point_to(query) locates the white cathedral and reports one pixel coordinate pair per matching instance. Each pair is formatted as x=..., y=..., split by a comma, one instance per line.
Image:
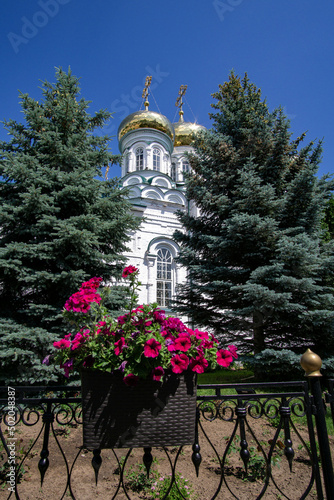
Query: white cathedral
x=154, y=162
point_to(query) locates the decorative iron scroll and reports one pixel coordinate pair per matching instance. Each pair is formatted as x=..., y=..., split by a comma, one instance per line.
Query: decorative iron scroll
x=249, y=443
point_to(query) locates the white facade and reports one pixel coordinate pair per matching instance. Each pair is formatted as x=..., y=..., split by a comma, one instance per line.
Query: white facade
x=152, y=170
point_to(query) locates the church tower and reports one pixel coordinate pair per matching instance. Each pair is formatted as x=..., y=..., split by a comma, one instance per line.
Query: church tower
x=154, y=162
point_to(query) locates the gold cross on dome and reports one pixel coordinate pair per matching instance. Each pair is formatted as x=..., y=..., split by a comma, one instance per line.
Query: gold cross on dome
x=145, y=91
x=179, y=102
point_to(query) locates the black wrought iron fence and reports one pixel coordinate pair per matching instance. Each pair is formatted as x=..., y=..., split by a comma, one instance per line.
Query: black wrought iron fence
x=264, y=440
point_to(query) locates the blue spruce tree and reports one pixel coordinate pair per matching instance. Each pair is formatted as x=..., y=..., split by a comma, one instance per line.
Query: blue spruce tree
x=60, y=222
x=259, y=272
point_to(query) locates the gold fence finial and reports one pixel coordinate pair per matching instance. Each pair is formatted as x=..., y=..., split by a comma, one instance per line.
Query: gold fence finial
x=311, y=363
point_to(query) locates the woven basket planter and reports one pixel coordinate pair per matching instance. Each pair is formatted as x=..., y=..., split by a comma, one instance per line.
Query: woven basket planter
x=150, y=414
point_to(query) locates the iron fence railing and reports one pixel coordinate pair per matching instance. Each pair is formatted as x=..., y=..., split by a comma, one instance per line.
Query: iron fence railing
x=253, y=440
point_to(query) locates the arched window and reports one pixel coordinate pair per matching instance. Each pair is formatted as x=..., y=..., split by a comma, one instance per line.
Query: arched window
x=156, y=159
x=185, y=166
x=164, y=277
x=127, y=161
x=139, y=159
x=173, y=172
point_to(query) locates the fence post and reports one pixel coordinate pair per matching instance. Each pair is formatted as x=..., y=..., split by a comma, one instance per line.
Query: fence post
x=311, y=363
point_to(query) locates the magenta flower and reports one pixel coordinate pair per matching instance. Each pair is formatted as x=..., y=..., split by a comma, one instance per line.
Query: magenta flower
x=152, y=348
x=129, y=270
x=120, y=345
x=233, y=351
x=170, y=344
x=179, y=362
x=67, y=366
x=201, y=335
x=136, y=342
x=167, y=333
x=79, y=339
x=199, y=364
x=174, y=324
x=207, y=344
x=81, y=301
x=157, y=373
x=224, y=358
x=104, y=329
x=159, y=316
x=62, y=344
x=182, y=343
x=93, y=283
x=131, y=380
x=138, y=309
x=121, y=320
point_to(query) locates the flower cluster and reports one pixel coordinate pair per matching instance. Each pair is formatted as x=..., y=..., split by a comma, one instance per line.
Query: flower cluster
x=142, y=343
x=81, y=301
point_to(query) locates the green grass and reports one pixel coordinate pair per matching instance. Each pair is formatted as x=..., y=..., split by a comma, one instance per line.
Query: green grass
x=226, y=377
x=329, y=423
x=223, y=377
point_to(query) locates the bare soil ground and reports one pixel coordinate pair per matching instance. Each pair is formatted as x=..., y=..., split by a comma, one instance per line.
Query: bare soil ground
x=213, y=440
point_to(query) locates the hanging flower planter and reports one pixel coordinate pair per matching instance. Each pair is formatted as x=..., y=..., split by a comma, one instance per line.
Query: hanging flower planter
x=147, y=415
x=138, y=371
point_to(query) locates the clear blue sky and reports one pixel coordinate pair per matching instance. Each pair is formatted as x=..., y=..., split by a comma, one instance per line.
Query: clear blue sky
x=285, y=46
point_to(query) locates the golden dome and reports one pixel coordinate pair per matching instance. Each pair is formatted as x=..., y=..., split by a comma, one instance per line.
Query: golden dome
x=184, y=132
x=145, y=119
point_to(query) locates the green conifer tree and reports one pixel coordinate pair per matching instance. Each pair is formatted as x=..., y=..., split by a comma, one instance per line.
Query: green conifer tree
x=255, y=258
x=60, y=221
x=328, y=220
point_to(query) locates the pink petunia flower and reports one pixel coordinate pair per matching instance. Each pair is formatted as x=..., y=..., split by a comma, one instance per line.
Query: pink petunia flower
x=129, y=270
x=120, y=345
x=131, y=380
x=79, y=339
x=139, y=309
x=121, y=320
x=233, y=351
x=159, y=315
x=152, y=348
x=207, y=344
x=62, y=344
x=175, y=324
x=201, y=335
x=103, y=329
x=157, y=373
x=179, y=362
x=224, y=358
x=199, y=364
x=167, y=333
x=170, y=344
x=182, y=343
